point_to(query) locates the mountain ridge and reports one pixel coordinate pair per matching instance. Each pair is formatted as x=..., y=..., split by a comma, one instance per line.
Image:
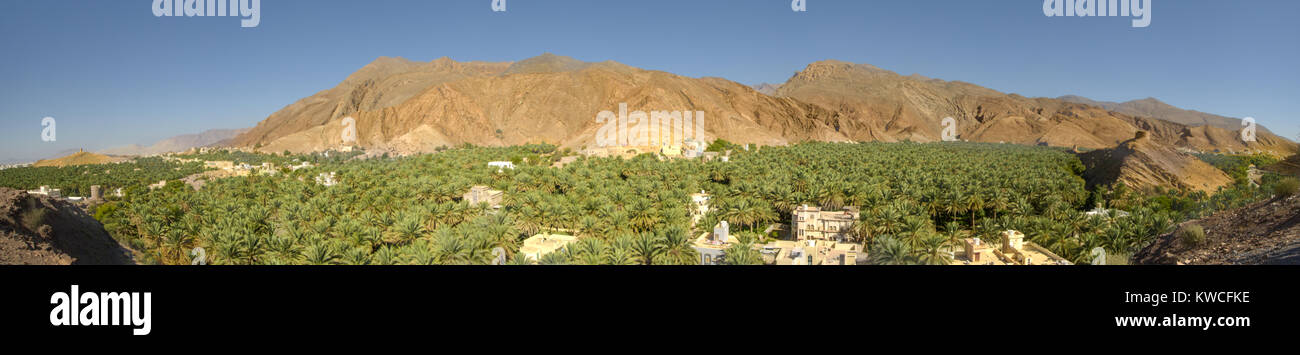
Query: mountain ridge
x=409, y=107
x=178, y=143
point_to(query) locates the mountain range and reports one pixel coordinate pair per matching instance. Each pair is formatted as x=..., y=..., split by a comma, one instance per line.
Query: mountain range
x=407, y=107
x=178, y=143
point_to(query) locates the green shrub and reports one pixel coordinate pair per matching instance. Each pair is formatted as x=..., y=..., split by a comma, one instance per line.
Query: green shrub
x=1191, y=235
x=1287, y=187
x=33, y=216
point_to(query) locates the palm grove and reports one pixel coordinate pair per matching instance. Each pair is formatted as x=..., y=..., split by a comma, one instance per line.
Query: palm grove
x=917, y=201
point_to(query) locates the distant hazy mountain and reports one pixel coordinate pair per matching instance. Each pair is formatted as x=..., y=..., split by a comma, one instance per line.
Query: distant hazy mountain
x=767, y=88
x=178, y=143
x=78, y=158
x=1150, y=107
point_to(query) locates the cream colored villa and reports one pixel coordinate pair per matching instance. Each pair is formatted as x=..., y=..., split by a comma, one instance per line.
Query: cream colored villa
x=814, y=223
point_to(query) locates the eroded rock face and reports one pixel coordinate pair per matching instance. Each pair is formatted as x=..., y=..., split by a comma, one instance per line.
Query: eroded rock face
x=877, y=104
x=39, y=230
x=1143, y=164
x=407, y=107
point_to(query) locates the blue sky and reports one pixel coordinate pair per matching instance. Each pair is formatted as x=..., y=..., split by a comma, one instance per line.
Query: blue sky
x=113, y=74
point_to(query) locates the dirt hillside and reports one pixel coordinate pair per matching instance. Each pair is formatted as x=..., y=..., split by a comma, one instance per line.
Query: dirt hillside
x=1143, y=163
x=1289, y=166
x=38, y=230
x=1266, y=232
x=79, y=158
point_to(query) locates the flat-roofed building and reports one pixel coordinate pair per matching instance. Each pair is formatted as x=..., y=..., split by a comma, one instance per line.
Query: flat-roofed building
x=811, y=252
x=699, y=206
x=47, y=191
x=711, y=246
x=1013, y=250
x=537, y=246
x=483, y=194
x=502, y=165
x=220, y=164
x=327, y=179
x=809, y=222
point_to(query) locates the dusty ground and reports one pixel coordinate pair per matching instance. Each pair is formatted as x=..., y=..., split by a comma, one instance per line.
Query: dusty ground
x=1267, y=232
x=64, y=235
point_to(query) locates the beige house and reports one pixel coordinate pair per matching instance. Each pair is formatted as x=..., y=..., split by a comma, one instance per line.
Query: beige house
x=483, y=194
x=537, y=246
x=1014, y=250
x=222, y=164
x=808, y=222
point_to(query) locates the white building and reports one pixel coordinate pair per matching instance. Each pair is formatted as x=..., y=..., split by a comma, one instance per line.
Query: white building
x=47, y=191
x=699, y=206
x=502, y=165
x=327, y=179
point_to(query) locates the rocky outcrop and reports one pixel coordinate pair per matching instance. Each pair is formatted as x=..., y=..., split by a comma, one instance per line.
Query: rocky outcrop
x=1143, y=164
x=39, y=230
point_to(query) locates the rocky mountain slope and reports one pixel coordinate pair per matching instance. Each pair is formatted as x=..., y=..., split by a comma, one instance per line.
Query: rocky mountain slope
x=178, y=143
x=877, y=104
x=38, y=230
x=406, y=106
x=1142, y=163
x=1266, y=232
x=549, y=99
x=381, y=84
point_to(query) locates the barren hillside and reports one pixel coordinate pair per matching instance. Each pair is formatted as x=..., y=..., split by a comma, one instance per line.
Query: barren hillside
x=1142, y=164
x=79, y=158
x=552, y=99
x=877, y=104
x=1266, y=232
x=38, y=230
x=406, y=106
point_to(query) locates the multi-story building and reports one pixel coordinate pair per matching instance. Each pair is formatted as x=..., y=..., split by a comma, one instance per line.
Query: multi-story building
x=809, y=222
